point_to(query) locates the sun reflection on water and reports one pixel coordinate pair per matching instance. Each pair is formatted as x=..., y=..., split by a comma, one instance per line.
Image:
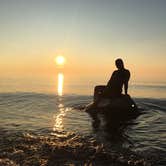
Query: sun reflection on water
x=60, y=84
x=59, y=119
x=58, y=126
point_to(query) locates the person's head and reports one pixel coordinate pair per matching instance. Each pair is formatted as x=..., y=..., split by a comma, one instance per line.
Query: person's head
x=119, y=63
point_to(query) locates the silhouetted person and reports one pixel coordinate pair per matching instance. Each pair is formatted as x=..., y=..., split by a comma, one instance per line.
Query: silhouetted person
x=115, y=85
x=118, y=79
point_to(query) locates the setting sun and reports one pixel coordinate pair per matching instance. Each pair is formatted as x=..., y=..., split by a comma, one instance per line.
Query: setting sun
x=60, y=60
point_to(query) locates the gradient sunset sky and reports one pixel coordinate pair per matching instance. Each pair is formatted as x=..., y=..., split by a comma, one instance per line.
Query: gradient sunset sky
x=90, y=34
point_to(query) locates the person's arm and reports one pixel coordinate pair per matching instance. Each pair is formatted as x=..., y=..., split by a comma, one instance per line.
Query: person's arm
x=126, y=82
x=126, y=87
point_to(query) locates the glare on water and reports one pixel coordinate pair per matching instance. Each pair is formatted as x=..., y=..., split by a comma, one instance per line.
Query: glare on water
x=60, y=84
x=59, y=121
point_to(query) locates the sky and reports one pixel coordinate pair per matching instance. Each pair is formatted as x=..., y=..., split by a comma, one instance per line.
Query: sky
x=90, y=34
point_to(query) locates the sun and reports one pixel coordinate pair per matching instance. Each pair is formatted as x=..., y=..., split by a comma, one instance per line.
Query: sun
x=60, y=60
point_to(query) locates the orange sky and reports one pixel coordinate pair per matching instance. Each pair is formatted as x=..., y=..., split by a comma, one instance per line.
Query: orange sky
x=89, y=35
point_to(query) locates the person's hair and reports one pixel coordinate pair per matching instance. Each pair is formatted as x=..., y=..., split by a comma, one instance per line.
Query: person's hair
x=119, y=63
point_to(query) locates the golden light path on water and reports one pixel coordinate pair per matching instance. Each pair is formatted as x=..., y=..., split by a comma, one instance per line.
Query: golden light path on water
x=58, y=117
x=60, y=84
x=58, y=128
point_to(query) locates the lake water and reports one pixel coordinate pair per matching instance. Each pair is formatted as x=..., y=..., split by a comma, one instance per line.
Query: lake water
x=47, y=129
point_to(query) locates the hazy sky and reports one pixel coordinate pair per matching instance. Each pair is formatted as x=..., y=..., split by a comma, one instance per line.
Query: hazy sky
x=91, y=34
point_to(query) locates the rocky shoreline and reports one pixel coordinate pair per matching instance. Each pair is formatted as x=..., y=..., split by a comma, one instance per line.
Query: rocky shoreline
x=36, y=150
